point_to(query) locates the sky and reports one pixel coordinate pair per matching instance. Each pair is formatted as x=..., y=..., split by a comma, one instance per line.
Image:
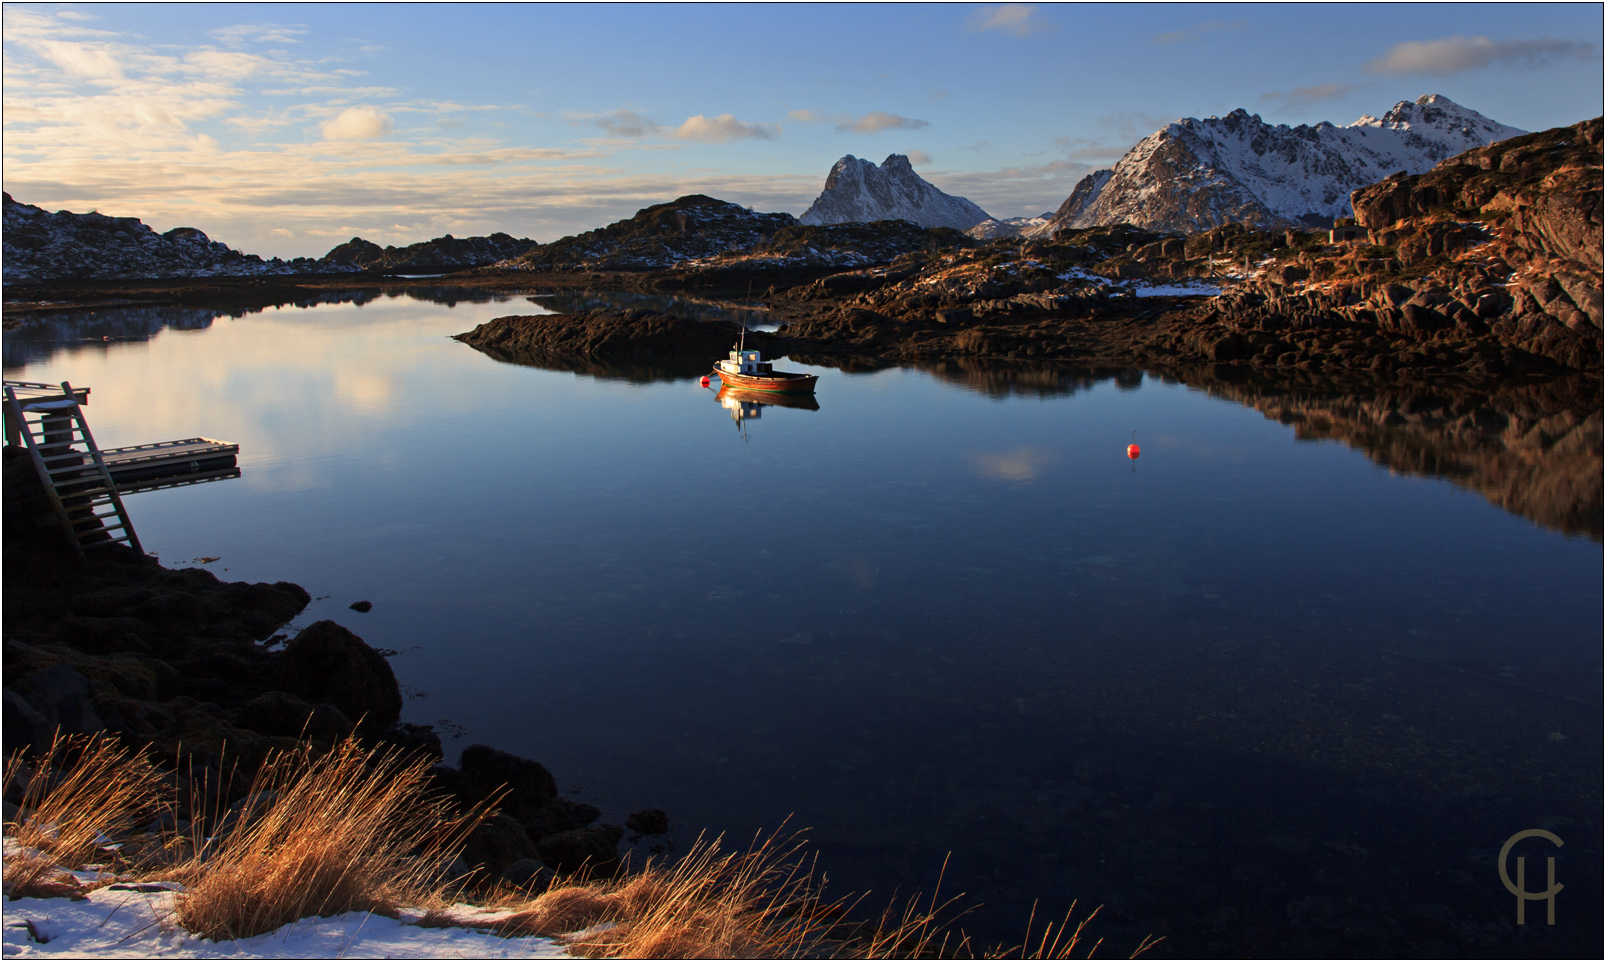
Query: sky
x=285, y=129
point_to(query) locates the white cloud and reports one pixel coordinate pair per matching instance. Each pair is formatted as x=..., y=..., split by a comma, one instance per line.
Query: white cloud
x=919, y=158
x=358, y=123
x=1301, y=97
x=1198, y=30
x=1019, y=19
x=1455, y=54
x=256, y=33
x=878, y=120
x=725, y=127
x=626, y=123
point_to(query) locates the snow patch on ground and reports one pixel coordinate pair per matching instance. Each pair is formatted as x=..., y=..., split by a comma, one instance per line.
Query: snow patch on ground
x=127, y=920
x=1177, y=290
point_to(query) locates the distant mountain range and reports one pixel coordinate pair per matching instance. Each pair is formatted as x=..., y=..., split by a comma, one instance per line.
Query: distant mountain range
x=1189, y=176
x=859, y=192
x=1193, y=175
x=39, y=245
x=697, y=230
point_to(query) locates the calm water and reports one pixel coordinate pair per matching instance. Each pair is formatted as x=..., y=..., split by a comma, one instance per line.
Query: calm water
x=1252, y=692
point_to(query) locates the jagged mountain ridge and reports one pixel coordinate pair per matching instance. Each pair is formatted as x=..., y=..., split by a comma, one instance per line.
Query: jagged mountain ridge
x=858, y=191
x=1008, y=227
x=1194, y=175
x=697, y=230
x=39, y=245
x=445, y=253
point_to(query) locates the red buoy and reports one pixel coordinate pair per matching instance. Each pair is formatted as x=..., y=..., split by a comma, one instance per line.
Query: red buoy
x=704, y=381
x=1132, y=451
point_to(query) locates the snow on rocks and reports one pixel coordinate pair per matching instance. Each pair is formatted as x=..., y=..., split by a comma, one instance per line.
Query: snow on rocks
x=859, y=192
x=1193, y=175
x=138, y=920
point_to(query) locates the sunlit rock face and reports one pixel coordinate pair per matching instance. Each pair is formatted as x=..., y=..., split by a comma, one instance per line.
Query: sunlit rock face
x=1194, y=175
x=859, y=192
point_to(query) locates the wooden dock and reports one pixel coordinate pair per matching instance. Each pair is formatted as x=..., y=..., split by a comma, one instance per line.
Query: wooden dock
x=169, y=464
x=83, y=482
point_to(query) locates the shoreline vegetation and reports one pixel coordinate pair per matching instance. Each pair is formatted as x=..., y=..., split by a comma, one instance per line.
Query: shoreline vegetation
x=162, y=736
x=354, y=829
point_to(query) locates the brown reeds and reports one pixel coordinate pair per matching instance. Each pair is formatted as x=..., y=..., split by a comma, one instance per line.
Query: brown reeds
x=351, y=830
x=355, y=829
x=757, y=903
x=81, y=794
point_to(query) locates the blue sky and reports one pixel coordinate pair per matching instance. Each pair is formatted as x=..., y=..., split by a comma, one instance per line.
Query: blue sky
x=283, y=129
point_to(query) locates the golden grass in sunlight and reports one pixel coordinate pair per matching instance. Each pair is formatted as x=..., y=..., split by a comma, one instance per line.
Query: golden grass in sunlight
x=82, y=793
x=351, y=830
x=760, y=903
x=355, y=829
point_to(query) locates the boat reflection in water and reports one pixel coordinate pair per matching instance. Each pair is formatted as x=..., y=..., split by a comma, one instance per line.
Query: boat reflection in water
x=745, y=404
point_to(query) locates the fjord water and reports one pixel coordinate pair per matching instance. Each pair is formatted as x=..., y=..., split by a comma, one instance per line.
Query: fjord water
x=1254, y=693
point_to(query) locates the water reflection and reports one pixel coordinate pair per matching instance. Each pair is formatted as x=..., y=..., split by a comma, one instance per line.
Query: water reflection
x=744, y=406
x=1533, y=449
x=35, y=338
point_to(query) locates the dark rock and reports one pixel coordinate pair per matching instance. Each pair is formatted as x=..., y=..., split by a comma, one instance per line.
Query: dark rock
x=497, y=844
x=363, y=606
x=61, y=697
x=487, y=770
x=414, y=740
x=529, y=875
x=327, y=663
x=23, y=729
x=648, y=821
x=595, y=850
x=281, y=713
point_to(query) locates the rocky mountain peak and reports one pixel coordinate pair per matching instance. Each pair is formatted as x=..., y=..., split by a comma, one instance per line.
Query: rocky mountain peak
x=1194, y=175
x=858, y=192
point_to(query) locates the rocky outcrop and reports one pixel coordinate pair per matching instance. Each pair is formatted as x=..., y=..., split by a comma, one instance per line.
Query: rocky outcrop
x=327, y=663
x=44, y=246
x=689, y=228
x=544, y=340
x=1197, y=174
x=1010, y=227
x=857, y=191
x=441, y=255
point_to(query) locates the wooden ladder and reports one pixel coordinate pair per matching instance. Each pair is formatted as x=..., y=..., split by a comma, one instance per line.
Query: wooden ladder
x=77, y=481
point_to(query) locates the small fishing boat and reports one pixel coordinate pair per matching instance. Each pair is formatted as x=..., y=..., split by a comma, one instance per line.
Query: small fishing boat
x=747, y=370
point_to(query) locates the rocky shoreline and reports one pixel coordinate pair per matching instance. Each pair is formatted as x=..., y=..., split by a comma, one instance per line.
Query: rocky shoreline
x=199, y=675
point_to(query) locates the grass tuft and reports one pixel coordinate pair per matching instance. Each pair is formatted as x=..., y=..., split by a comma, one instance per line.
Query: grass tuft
x=80, y=794
x=352, y=830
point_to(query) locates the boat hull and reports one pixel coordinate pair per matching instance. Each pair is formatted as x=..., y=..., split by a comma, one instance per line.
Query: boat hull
x=774, y=383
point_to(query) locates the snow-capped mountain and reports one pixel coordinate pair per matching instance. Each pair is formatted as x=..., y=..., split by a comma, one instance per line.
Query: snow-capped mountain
x=1011, y=227
x=1197, y=174
x=859, y=192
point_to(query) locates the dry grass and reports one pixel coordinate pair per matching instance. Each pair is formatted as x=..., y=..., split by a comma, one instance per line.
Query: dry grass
x=355, y=830
x=352, y=830
x=80, y=795
x=758, y=903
